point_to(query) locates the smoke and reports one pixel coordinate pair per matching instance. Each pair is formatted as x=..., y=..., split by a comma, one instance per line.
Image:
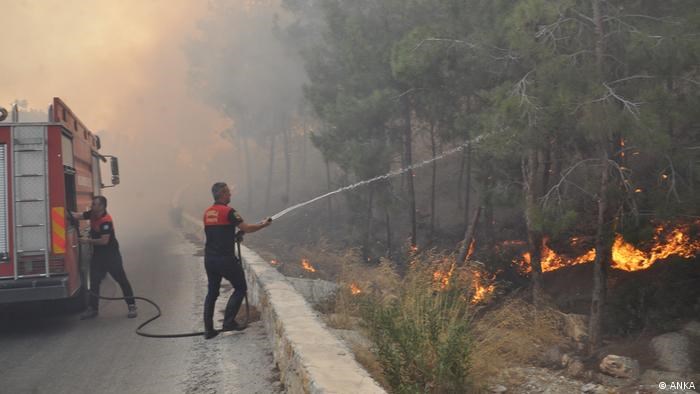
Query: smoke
x=121, y=68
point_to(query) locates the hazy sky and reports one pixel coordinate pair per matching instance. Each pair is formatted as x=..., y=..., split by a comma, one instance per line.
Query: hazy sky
x=120, y=66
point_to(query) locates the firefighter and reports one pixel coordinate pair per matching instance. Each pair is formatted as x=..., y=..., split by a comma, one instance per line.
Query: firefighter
x=106, y=257
x=220, y=261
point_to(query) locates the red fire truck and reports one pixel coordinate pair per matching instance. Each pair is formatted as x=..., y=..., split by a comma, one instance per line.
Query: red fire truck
x=47, y=168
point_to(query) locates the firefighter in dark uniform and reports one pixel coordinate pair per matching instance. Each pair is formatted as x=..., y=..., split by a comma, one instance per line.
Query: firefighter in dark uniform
x=220, y=261
x=106, y=257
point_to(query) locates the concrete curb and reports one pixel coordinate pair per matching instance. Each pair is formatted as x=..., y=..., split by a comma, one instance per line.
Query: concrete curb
x=309, y=357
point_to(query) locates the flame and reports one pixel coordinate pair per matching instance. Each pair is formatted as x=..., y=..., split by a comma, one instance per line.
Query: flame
x=622, y=145
x=354, y=289
x=307, y=266
x=441, y=278
x=676, y=242
x=481, y=290
x=551, y=261
x=482, y=286
x=625, y=256
x=470, y=252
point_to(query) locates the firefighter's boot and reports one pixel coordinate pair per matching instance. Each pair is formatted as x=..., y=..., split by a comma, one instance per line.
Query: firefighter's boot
x=232, y=307
x=209, y=331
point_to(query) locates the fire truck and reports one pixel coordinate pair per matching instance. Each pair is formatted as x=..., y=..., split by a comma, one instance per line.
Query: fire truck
x=47, y=168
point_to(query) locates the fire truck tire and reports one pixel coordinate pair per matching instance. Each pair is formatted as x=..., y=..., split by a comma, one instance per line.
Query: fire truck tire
x=3, y=114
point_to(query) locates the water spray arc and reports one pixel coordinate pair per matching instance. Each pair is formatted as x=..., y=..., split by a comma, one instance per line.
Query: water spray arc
x=196, y=222
x=381, y=177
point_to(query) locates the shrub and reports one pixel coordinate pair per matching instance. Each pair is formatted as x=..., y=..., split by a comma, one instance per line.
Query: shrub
x=421, y=333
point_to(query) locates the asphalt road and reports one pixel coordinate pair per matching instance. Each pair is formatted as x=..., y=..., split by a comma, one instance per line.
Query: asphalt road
x=44, y=349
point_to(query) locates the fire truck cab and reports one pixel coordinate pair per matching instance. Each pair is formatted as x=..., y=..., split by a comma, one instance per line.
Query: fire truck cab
x=47, y=169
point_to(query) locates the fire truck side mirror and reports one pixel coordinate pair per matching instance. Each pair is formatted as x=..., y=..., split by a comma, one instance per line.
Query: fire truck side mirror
x=114, y=164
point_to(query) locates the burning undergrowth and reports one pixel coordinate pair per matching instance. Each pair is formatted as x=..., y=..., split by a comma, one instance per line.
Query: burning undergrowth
x=667, y=240
x=652, y=281
x=318, y=260
x=436, y=324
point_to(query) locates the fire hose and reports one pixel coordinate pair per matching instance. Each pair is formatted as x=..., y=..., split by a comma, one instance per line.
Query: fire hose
x=139, y=329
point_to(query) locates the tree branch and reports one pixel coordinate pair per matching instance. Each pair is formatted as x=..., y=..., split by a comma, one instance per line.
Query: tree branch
x=628, y=105
x=450, y=40
x=672, y=187
x=562, y=180
x=411, y=90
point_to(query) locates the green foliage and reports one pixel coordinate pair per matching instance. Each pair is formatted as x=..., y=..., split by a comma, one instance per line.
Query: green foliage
x=422, y=336
x=532, y=76
x=561, y=222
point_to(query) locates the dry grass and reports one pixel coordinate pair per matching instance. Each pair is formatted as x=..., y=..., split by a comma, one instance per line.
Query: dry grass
x=511, y=333
x=321, y=255
x=514, y=333
x=508, y=334
x=369, y=361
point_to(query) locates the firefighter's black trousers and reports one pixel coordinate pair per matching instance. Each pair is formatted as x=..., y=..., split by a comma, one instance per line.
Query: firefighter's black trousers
x=228, y=267
x=100, y=265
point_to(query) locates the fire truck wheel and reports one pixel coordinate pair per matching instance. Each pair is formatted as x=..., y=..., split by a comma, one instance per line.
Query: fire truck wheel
x=3, y=114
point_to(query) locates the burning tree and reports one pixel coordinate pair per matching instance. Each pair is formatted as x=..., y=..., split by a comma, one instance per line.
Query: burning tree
x=573, y=97
x=586, y=106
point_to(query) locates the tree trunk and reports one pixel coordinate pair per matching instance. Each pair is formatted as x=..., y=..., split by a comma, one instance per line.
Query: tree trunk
x=599, y=32
x=488, y=210
x=328, y=183
x=469, y=236
x=603, y=246
x=249, y=178
x=303, y=152
x=288, y=168
x=604, y=222
x=404, y=178
x=467, y=186
x=408, y=148
x=534, y=176
x=388, y=232
x=691, y=176
x=433, y=182
x=459, y=178
x=535, y=242
x=366, y=253
x=268, y=190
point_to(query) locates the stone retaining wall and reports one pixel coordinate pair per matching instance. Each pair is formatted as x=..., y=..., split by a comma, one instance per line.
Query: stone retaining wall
x=309, y=357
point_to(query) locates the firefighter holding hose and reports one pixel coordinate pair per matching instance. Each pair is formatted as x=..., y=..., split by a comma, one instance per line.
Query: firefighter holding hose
x=220, y=261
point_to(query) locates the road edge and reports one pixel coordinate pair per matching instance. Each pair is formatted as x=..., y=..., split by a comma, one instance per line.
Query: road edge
x=309, y=357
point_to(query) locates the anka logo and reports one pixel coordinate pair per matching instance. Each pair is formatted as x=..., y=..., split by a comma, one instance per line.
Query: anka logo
x=678, y=386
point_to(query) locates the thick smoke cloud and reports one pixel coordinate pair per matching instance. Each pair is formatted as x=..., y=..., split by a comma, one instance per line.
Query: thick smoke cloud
x=122, y=69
